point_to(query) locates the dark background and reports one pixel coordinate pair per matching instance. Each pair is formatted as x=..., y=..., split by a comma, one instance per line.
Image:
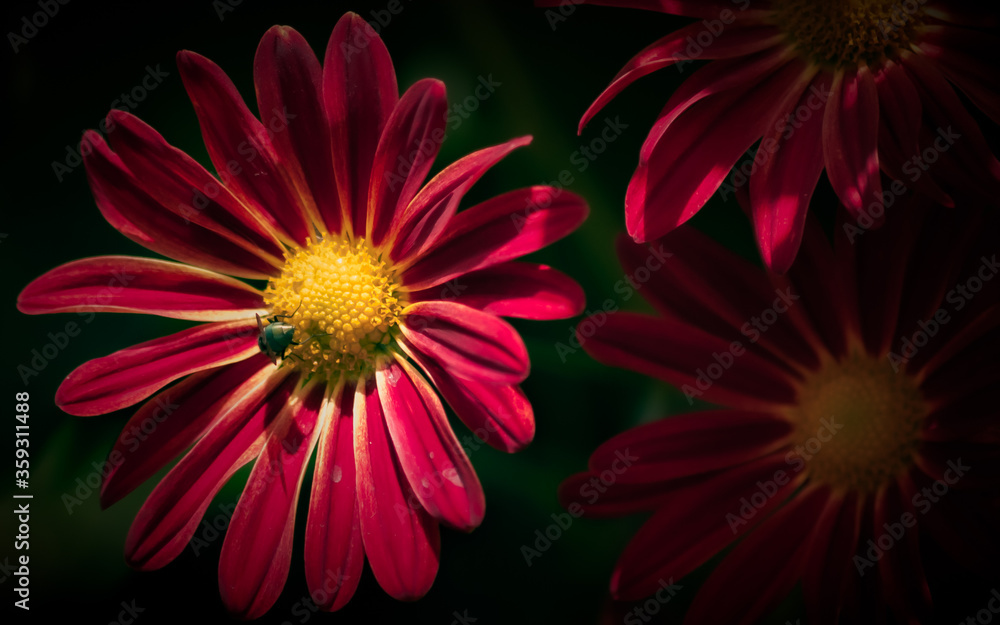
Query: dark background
x=64, y=80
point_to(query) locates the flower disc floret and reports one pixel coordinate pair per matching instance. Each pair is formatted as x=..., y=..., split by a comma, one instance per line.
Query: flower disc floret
x=858, y=423
x=342, y=298
x=847, y=32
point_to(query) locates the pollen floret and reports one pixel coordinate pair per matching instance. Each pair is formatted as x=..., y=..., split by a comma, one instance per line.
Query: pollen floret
x=342, y=298
x=847, y=32
x=858, y=423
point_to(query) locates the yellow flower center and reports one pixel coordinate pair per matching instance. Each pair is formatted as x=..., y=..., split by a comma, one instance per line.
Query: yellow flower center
x=341, y=298
x=857, y=423
x=846, y=32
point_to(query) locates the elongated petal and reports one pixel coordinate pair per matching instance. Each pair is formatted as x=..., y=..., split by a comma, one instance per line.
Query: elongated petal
x=689, y=161
x=500, y=415
x=963, y=55
x=289, y=83
x=359, y=93
x=702, y=365
x=130, y=375
x=439, y=472
x=953, y=133
x=831, y=304
x=501, y=229
x=472, y=344
x=690, y=444
x=713, y=78
x=703, y=518
x=900, y=121
x=597, y=500
x=775, y=551
x=740, y=39
x=689, y=276
x=850, y=141
x=512, y=289
x=334, y=549
x=419, y=224
x=900, y=568
x=128, y=207
x=140, y=285
x=257, y=550
x=410, y=142
x=401, y=539
x=170, y=516
x=789, y=164
x=240, y=146
x=172, y=420
x=183, y=186
x=829, y=569
x=689, y=8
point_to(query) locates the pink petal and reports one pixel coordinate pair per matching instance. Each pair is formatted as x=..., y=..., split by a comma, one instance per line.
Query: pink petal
x=952, y=126
x=434, y=463
x=961, y=418
x=711, y=79
x=900, y=121
x=173, y=510
x=597, y=500
x=681, y=169
x=850, y=141
x=289, y=83
x=900, y=568
x=257, y=550
x=774, y=552
x=241, y=149
x=131, y=375
x=700, y=521
x=140, y=285
x=965, y=363
x=501, y=229
x=183, y=186
x=359, y=92
x=690, y=8
x=419, y=224
x=681, y=47
x=334, y=549
x=689, y=276
x=970, y=539
x=410, y=142
x=963, y=55
x=690, y=444
x=500, y=415
x=172, y=421
x=512, y=289
x=401, y=539
x=128, y=207
x=687, y=357
x=829, y=568
x=790, y=162
x=833, y=306
x=470, y=343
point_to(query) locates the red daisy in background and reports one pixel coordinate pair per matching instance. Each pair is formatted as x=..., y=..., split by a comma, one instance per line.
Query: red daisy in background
x=859, y=416
x=323, y=197
x=854, y=88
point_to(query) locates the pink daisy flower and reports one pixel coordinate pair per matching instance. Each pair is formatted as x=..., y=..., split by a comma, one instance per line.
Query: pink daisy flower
x=858, y=417
x=857, y=89
x=346, y=347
